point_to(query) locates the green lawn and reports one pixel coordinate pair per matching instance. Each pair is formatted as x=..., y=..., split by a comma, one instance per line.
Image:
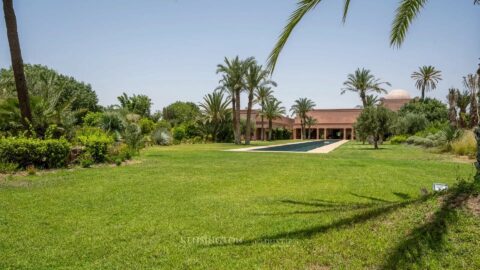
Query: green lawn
x=194, y=206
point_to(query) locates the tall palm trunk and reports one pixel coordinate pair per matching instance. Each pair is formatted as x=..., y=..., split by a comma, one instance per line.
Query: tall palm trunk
x=363, y=97
x=249, y=115
x=302, y=129
x=270, y=127
x=17, y=62
x=423, y=92
x=237, y=117
x=234, y=118
x=262, y=129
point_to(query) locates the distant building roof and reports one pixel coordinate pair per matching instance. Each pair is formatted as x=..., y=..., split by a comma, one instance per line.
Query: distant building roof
x=398, y=94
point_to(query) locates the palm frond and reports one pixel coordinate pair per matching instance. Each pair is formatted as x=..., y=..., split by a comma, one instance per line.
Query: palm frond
x=405, y=14
x=346, y=6
x=303, y=7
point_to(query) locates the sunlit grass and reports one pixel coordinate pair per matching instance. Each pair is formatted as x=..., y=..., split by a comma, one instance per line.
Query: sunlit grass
x=195, y=206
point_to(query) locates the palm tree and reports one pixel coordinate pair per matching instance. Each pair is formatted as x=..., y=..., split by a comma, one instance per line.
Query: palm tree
x=300, y=108
x=255, y=78
x=363, y=82
x=372, y=100
x=463, y=100
x=215, y=110
x=17, y=62
x=273, y=110
x=262, y=95
x=309, y=122
x=233, y=81
x=471, y=83
x=426, y=78
x=405, y=14
x=452, y=98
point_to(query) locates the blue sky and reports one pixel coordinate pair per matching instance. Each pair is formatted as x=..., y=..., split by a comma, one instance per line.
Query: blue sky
x=169, y=49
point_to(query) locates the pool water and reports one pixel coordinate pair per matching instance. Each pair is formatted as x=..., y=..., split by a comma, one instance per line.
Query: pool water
x=298, y=147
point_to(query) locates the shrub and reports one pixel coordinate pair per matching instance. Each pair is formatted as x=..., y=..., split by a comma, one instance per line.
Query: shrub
x=146, y=125
x=161, y=136
x=133, y=137
x=31, y=170
x=119, y=151
x=112, y=121
x=399, y=139
x=96, y=143
x=410, y=123
x=178, y=133
x=92, y=119
x=8, y=167
x=40, y=153
x=86, y=160
x=465, y=145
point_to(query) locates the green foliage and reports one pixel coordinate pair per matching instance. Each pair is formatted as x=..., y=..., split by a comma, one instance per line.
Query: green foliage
x=433, y=109
x=374, y=122
x=410, y=123
x=8, y=167
x=133, y=137
x=146, y=125
x=112, y=122
x=137, y=104
x=39, y=153
x=119, y=151
x=181, y=112
x=398, y=139
x=93, y=119
x=465, y=145
x=281, y=134
x=86, y=160
x=96, y=143
x=178, y=133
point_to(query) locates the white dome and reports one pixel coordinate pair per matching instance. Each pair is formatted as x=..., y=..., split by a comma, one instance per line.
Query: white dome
x=398, y=94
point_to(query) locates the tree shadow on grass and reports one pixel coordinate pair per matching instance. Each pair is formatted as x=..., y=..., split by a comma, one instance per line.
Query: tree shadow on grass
x=430, y=236
x=371, y=211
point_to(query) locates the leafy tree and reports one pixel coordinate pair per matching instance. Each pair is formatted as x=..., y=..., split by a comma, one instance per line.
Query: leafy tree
x=273, y=110
x=372, y=100
x=214, y=110
x=405, y=14
x=363, y=82
x=256, y=78
x=137, y=104
x=181, y=112
x=17, y=62
x=375, y=121
x=262, y=95
x=300, y=108
x=433, y=109
x=426, y=79
x=233, y=82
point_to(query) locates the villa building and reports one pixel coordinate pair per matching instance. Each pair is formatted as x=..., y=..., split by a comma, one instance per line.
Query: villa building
x=331, y=123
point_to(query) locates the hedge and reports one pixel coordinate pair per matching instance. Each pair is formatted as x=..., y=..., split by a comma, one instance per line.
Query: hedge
x=50, y=153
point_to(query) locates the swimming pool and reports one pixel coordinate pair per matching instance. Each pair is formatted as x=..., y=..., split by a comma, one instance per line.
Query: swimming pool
x=297, y=147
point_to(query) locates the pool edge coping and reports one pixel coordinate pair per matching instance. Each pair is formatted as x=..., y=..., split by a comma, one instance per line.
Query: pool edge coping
x=319, y=150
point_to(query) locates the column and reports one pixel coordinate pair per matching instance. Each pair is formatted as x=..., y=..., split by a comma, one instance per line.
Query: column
x=318, y=133
x=353, y=133
x=324, y=133
x=344, y=133
x=294, y=131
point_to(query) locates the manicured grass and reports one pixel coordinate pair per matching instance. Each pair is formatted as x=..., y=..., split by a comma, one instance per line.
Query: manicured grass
x=194, y=206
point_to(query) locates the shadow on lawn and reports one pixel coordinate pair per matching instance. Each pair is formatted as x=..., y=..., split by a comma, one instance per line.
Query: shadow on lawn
x=408, y=253
x=374, y=209
x=429, y=236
